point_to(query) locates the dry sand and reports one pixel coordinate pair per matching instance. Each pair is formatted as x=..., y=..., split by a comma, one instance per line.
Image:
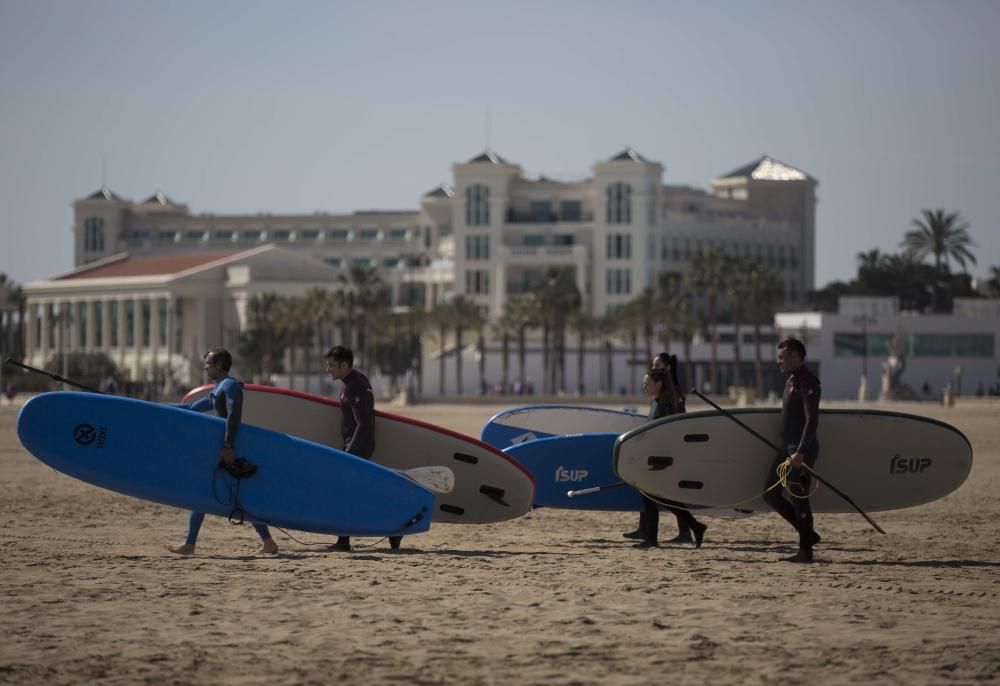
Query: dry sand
x=555, y=597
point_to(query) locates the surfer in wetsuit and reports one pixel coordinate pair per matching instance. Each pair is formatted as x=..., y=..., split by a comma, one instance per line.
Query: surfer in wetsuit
x=357, y=403
x=667, y=362
x=226, y=399
x=659, y=386
x=799, y=421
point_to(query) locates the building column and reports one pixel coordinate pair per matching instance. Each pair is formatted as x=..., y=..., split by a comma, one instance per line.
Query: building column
x=91, y=306
x=30, y=340
x=155, y=330
x=106, y=325
x=44, y=333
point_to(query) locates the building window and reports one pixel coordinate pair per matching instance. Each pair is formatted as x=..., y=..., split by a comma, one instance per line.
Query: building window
x=619, y=203
x=390, y=262
x=477, y=205
x=361, y=262
x=81, y=320
x=161, y=313
x=99, y=325
x=113, y=324
x=253, y=235
x=129, y=323
x=338, y=235
x=570, y=211
x=619, y=282
x=534, y=239
x=444, y=230
x=477, y=282
x=477, y=247
x=369, y=234
x=195, y=235
x=147, y=316
x=334, y=262
x=223, y=235
x=563, y=239
x=178, y=324
x=541, y=211
x=93, y=234
x=619, y=246
x=167, y=236
x=310, y=234
x=281, y=235
x=397, y=234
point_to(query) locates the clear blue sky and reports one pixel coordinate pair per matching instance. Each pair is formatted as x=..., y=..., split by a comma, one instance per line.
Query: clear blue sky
x=300, y=106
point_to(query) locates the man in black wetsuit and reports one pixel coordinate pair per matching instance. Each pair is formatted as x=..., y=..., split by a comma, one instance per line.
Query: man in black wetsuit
x=357, y=403
x=799, y=421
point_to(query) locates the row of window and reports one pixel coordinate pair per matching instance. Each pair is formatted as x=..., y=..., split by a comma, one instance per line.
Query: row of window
x=619, y=207
x=773, y=255
x=93, y=234
x=226, y=235
x=386, y=262
x=70, y=317
x=917, y=345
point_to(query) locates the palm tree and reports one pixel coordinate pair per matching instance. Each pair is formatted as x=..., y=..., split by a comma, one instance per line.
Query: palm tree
x=440, y=319
x=465, y=315
x=708, y=277
x=363, y=289
x=607, y=326
x=871, y=265
x=320, y=304
x=511, y=324
x=740, y=269
x=630, y=322
x=584, y=324
x=763, y=292
x=945, y=236
x=263, y=314
x=295, y=322
x=557, y=296
x=994, y=281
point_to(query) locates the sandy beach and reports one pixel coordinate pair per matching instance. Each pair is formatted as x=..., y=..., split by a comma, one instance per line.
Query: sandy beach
x=555, y=597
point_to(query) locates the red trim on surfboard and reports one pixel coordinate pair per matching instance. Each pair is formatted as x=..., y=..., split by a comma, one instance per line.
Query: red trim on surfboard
x=378, y=413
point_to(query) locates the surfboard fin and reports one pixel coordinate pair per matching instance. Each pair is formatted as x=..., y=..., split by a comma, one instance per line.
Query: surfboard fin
x=495, y=494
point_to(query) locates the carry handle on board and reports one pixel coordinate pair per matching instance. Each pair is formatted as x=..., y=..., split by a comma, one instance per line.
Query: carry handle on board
x=782, y=451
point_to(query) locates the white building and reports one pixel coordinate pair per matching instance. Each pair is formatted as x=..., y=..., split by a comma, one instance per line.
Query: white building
x=956, y=350
x=146, y=270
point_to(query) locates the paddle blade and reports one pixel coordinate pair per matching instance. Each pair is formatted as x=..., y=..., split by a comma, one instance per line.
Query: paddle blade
x=438, y=479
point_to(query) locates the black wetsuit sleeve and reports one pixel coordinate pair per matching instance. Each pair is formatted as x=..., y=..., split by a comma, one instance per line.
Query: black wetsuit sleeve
x=810, y=412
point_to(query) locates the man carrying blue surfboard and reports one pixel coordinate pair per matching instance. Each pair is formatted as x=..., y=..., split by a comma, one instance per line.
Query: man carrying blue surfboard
x=226, y=399
x=357, y=403
x=799, y=422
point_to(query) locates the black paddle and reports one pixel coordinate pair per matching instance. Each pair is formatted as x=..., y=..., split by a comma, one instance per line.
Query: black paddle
x=781, y=451
x=55, y=377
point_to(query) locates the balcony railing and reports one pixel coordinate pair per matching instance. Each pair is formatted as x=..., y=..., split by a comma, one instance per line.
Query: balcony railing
x=517, y=217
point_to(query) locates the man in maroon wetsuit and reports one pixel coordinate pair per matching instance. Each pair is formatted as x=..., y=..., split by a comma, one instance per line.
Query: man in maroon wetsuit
x=357, y=403
x=799, y=421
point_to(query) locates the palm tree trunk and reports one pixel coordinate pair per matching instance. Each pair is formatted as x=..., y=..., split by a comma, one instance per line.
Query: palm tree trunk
x=521, y=354
x=545, y=357
x=481, y=346
x=758, y=362
x=736, y=355
x=458, y=358
x=713, y=373
x=505, y=362
x=633, y=340
x=441, y=337
x=609, y=352
x=581, y=351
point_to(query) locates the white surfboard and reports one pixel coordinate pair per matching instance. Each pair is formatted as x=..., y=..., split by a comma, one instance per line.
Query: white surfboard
x=531, y=422
x=488, y=485
x=882, y=460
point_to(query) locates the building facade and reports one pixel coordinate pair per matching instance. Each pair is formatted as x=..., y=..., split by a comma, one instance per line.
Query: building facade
x=491, y=235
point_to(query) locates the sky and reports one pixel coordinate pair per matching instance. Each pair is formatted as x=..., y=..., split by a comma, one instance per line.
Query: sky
x=241, y=107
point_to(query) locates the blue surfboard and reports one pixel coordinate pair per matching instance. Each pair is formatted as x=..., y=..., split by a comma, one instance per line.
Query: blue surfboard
x=571, y=463
x=531, y=422
x=169, y=455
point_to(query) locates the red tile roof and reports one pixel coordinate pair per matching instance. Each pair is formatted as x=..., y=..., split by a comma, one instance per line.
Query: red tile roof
x=147, y=265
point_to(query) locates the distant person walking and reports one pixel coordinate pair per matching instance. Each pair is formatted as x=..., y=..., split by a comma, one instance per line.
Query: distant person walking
x=799, y=422
x=357, y=404
x=226, y=399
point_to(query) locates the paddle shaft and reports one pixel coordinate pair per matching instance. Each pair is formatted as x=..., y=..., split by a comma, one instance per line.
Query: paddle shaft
x=595, y=489
x=55, y=377
x=782, y=451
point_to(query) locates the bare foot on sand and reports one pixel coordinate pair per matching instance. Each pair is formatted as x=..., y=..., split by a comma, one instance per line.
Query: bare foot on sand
x=268, y=547
x=184, y=549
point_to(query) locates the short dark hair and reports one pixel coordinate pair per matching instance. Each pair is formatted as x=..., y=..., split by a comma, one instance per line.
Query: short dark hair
x=222, y=356
x=339, y=353
x=663, y=357
x=795, y=345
